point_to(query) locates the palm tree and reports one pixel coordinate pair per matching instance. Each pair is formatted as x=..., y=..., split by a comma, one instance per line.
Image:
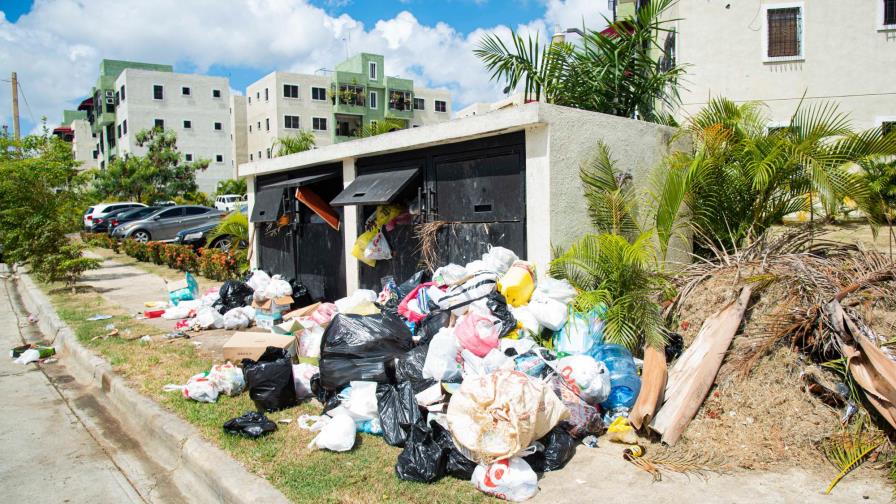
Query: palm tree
x=231, y=234
x=380, y=127
x=617, y=73
x=290, y=144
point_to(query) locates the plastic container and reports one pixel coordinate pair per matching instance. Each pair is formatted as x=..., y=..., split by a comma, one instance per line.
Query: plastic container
x=518, y=284
x=153, y=313
x=625, y=384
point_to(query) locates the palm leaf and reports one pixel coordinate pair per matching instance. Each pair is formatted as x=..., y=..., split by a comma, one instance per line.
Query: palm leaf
x=850, y=449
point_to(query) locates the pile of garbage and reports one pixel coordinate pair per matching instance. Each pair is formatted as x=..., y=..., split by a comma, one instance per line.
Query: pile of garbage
x=479, y=373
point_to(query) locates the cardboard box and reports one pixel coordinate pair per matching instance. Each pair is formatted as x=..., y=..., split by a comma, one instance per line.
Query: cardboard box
x=290, y=326
x=250, y=345
x=278, y=305
x=266, y=320
x=302, y=312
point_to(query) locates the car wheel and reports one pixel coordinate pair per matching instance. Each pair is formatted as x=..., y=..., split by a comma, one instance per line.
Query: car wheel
x=141, y=236
x=222, y=244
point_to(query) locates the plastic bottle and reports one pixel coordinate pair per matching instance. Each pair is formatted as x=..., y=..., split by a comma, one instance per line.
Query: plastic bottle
x=625, y=384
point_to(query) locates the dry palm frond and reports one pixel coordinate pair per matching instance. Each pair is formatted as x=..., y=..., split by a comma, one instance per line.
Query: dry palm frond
x=850, y=449
x=637, y=459
x=428, y=235
x=682, y=461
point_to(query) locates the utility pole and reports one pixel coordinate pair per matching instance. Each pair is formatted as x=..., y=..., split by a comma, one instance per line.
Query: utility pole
x=15, y=105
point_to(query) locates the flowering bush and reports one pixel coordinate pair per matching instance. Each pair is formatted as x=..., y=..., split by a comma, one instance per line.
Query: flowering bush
x=213, y=264
x=135, y=249
x=218, y=265
x=155, y=252
x=180, y=257
x=102, y=240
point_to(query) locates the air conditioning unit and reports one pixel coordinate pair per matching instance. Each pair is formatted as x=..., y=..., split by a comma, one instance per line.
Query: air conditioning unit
x=109, y=93
x=110, y=100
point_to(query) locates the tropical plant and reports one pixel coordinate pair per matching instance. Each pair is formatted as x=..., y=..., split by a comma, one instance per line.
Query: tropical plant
x=161, y=174
x=290, y=144
x=231, y=186
x=741, y=178
x=616, y=71
x=850, y=448
x=234, y=231
x=380, y=127
x=66, y=265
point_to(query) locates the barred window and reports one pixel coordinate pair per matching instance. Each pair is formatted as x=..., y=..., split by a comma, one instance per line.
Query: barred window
x=889, y=12
x=784, y=32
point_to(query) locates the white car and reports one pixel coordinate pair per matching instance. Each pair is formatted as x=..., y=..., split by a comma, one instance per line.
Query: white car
x=106, y=208
x=228, y=202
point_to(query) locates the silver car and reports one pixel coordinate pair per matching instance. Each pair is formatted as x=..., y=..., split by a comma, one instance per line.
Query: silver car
x=167, y=222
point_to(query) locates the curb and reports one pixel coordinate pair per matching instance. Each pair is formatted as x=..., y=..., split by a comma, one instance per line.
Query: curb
x=200, y=470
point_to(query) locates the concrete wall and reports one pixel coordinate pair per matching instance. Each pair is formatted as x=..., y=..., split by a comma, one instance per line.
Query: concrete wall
x=201, y=140
x=429, y=115
x=83, y=144
x=848, y=57
x=238, y=132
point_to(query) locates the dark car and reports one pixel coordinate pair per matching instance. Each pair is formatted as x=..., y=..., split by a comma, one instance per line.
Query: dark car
x=129, y=215
x=195, y=237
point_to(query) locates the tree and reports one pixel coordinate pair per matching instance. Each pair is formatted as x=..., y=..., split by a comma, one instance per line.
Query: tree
x=161, y=174
x=232, y=235
x=617, y=73
x=231, y=186
x=379, y=127
x=290, y=144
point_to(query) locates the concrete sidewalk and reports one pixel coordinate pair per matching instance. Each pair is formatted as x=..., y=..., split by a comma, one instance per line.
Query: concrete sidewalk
x=47, y=454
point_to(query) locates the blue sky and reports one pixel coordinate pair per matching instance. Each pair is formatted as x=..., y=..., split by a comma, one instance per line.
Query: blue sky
x=55, y=46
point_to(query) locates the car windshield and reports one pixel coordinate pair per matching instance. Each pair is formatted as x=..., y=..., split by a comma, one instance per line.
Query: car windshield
x=88, y=211
x=137, y=213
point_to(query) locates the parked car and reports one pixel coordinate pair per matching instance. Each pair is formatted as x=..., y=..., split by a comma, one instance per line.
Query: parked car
x=103, y=209
x=101, y=223
x=196, y=237
x=131, y=214
x=165, y=223
x=228, y=202
x=164, y=203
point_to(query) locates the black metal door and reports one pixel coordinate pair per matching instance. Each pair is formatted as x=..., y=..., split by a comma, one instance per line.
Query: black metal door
x=320, y=263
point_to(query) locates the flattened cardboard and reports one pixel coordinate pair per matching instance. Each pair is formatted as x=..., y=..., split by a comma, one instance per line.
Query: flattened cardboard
x=302, y=312
x=250, y=345
x=271, y=304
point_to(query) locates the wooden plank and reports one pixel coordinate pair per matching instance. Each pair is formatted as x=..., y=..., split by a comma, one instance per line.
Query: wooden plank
x=695, y=371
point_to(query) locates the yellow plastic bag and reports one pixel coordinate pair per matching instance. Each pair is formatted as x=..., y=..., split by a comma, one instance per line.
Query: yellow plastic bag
x=621, y=432
x=518, y=284
x=374, y=224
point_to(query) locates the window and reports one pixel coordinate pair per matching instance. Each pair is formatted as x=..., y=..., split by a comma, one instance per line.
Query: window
x=258, y=95
x=159, y=123
x=371, y=70
x=158, y=92
x=250, y=128
x=96, y=154
x=124, y=127
x=265, y=94
x=419, y=104
x=218, y=126
x=258, y=126
x=188, y=157
x=251, y=157
x=319, y=123
x=250, y=100
x=195, y=210
x=372, y=99
x=119, y=131
x=888, y=127
x=289, y=91
x=121, y=92
x=171, y=213
x=319, y=93
x=441, y=106
x=291, y=122
x=667, y=61
x=259, y=154
x=269, y=153
x=219, y=158
x=188, y=124
x=784, y=32
x=216, y=93
x=185, y=91
x=889, y=14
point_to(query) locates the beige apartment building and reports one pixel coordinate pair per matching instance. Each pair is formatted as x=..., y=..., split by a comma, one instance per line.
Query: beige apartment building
x=238, y=132
x=783, y=51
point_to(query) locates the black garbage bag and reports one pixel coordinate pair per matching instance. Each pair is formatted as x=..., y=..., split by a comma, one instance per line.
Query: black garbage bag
x=398, y=411
x=498, y=306
x=456, y=464
x=234, y=294
x=326, y=397
x=410, y=284
x=301, y=297
x=409, y=368
x=674, y=347
x=555, y=449
x=270, y=381
x=363, y=348
x=423, y=459
x=430, y=325
x=251, y=424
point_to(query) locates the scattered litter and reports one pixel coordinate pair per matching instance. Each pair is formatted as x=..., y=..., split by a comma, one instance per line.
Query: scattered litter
x=176, y=335
x=32, y=318
x=98, y=316
x=284, y=421
x=49, y=361
x=29, y=353
x=146, y=339
x=205, y=387
x=251, y=424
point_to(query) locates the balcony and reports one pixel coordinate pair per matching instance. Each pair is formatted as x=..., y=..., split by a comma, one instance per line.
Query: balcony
x=347, y=126
x=400, y=104
x=350, y=98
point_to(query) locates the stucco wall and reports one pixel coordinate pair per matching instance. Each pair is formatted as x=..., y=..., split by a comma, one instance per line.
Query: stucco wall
x=238, y=132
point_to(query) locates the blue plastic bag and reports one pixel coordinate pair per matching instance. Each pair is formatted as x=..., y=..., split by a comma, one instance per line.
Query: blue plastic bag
x=582, y=334
x=191, y=291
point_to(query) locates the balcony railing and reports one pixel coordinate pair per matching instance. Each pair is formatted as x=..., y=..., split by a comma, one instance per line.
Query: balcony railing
x=400, y=100
x=351, y=95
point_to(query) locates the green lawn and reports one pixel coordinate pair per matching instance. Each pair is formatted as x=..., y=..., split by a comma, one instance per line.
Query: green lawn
x=365, y=474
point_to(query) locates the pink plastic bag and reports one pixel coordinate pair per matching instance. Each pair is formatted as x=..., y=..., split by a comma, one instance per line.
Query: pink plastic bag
x=478, y=333
x=405, y=307
x=324, y=313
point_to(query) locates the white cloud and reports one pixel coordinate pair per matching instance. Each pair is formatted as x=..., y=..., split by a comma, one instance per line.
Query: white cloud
x=573, y=13
x=56, y=48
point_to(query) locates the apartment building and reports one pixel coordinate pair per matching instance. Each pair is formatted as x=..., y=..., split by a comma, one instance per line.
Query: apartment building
x=239, y=138
x=76, y=129
x=132, y=96
x=784, y=51
x=336, y=106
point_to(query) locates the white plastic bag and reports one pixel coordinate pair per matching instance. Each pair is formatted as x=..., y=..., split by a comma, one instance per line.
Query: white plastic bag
x=477, y=286
x=259, y=280
x=198, y=388
x=449, y=274
x=558, y=290
x=177, y=312
x=277, y=287
x=301, y=376
x=337, y=434
x=236, y=319
x=208, y=317
x=585, y=376
x=441, y=358
x=508, y=479
x=524, y=316
x=359, y=303
x=28, y=356
x=549, y=312
x=227, y=378
x=481, y=366
x=309, y=341
x=499, y=259
x=360, y=400
x=377, y=249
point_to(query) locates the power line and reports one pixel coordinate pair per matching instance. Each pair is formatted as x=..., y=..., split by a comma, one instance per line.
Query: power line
x=26, y=103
